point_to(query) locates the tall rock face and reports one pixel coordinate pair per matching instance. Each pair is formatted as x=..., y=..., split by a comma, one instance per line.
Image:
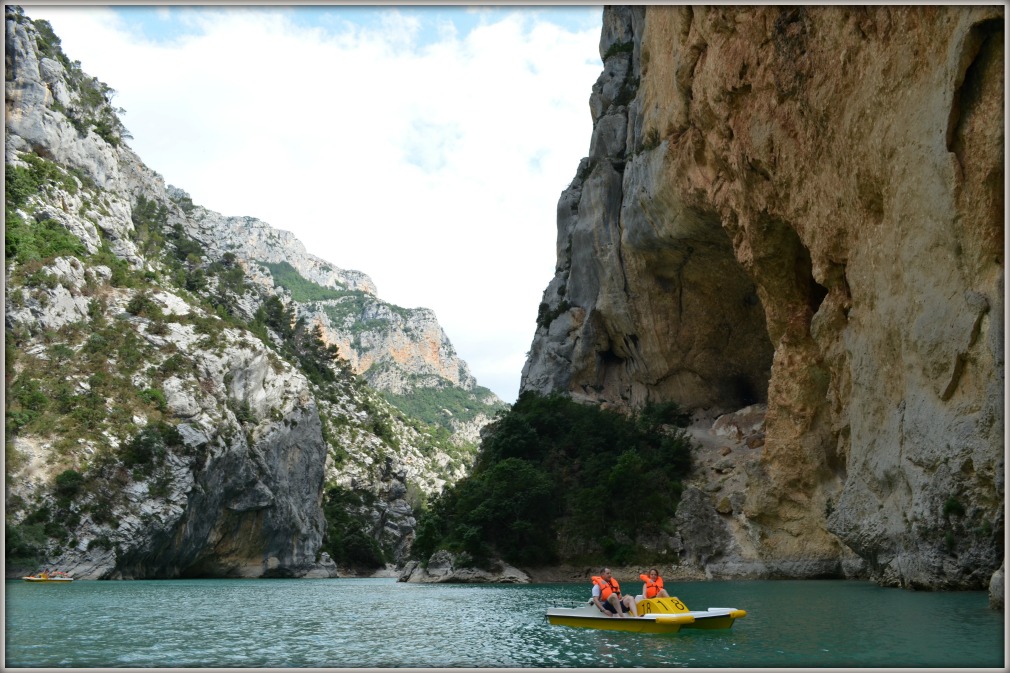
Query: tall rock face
x=170, y=410
x=803, y=207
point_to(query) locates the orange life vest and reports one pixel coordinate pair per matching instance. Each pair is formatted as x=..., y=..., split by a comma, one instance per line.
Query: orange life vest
x=607, y=588
x=652, y=588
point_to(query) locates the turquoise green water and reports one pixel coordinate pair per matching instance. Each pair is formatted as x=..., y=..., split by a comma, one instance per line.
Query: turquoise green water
x=383, y=623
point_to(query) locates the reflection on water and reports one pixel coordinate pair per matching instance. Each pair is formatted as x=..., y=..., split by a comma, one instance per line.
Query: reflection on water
x=382, y=623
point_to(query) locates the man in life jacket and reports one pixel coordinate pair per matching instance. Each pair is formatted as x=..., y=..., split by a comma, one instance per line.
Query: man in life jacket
x=607, y=596
x=653, y=587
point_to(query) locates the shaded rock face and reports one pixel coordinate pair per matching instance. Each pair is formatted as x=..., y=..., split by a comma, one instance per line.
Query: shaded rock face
x=252, y=508
x=236, y=498
x=803, y=207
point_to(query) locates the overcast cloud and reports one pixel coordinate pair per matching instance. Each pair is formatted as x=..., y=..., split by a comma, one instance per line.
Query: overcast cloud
x=425, y=147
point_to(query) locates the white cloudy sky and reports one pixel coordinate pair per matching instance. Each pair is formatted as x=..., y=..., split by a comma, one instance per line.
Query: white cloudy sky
x=424, y=146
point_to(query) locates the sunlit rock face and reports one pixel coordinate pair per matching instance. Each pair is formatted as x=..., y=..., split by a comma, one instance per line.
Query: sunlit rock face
x=803, y=207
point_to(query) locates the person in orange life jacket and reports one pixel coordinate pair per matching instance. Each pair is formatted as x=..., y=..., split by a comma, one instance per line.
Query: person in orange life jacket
x=653, y=587
x=607, y=596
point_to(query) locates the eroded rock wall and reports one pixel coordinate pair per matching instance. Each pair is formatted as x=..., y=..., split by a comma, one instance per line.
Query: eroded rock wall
x=803, y=206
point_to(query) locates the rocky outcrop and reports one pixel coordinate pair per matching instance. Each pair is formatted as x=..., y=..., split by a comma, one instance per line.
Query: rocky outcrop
x=254, y=240
x=42, y=97
x=395, y=349
x=251, y=508
x=446, y=568
x=236, y=495
x=997, y=588
x=802, y=207
x=714, y=532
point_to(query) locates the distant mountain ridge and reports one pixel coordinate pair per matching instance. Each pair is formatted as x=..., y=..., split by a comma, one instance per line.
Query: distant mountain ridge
x=396, y=350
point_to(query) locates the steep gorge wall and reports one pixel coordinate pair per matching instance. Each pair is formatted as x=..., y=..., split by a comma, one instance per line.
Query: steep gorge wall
x=803, y=207
x=96, y=364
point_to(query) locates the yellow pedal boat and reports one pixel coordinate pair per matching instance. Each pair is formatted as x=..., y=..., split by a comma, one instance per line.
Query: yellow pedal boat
x=656, y=615
x=57, y=576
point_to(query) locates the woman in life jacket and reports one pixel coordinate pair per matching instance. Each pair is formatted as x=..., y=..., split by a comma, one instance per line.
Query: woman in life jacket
x=653, y=587
x=607, y=596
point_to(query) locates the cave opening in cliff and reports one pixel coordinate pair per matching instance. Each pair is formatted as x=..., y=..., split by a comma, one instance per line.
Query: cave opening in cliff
x=706, y=302
x=745, y=391
x=748, y=350
x=199, y=571
x=607, y=362
x=786, y=268
x=814, y=291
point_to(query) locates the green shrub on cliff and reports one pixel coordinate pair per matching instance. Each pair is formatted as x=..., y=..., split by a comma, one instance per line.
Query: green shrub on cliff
x=438, y=405
x=150, y=446
x=347, y=539
x=26, y=240
x=552, y=471
x=619, y=48
x=301, y=289
x=25, y=545
x=21, y=182
x=150, y=219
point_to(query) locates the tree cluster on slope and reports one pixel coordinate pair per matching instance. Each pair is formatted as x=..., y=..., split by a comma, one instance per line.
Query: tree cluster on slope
x=555, y=480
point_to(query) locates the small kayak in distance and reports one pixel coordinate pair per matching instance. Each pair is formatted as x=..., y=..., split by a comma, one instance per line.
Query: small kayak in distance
x=656, y=615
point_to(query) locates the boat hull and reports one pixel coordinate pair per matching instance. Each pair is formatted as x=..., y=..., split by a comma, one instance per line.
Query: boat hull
x=591, y=618
x=51, y=580
x=713, y=618
x=658, y=615
x=717, y=621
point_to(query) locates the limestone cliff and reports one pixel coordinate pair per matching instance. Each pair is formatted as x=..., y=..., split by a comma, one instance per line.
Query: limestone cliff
x=170, y=410
x=802, y=207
